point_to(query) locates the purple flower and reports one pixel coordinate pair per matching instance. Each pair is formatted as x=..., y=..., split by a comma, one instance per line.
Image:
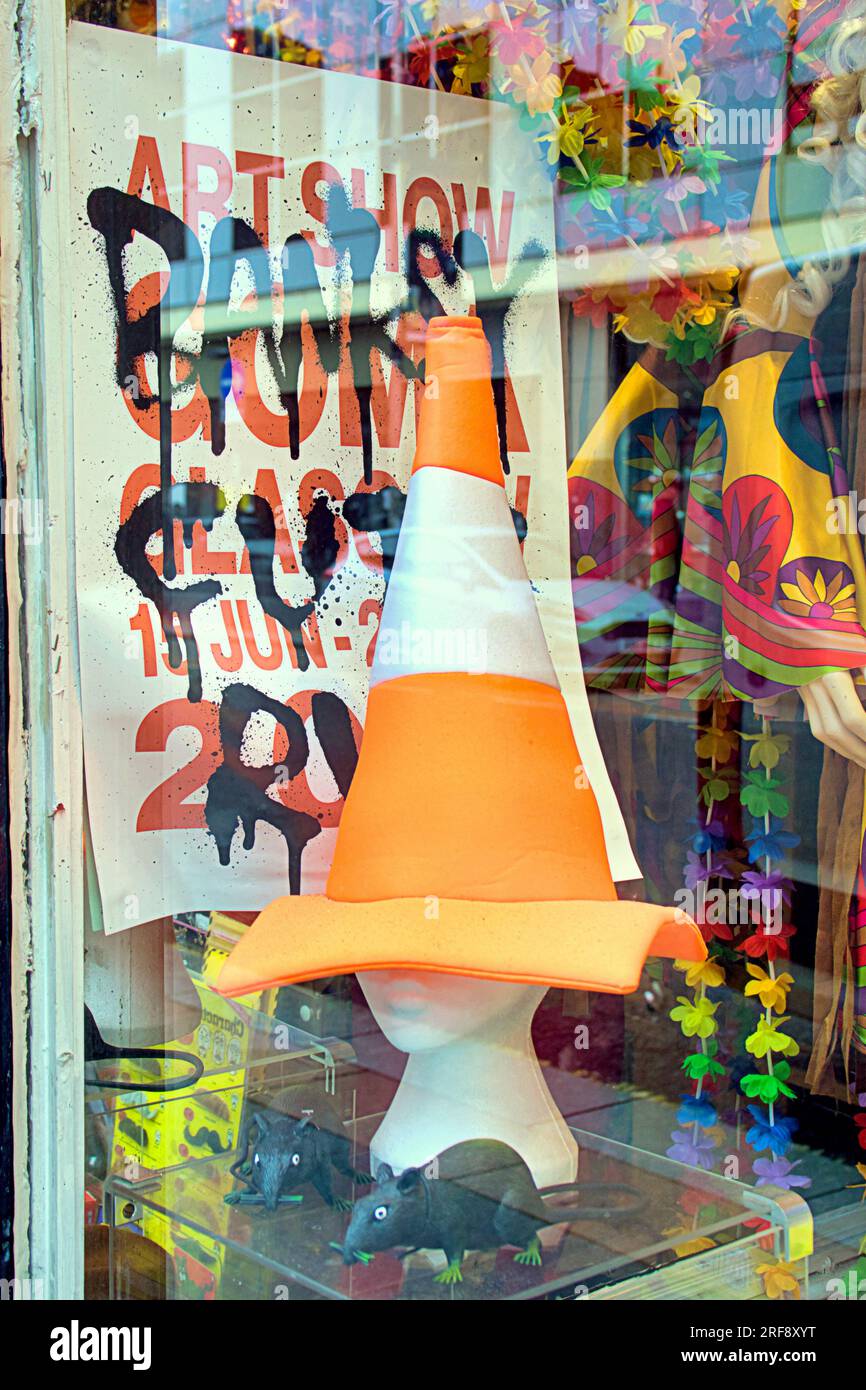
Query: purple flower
x=716, y=86
x=773, y=884
x=696, y=871
x=696, y=1152
x=780, y=1173
x=756, y=80
x=576, y=28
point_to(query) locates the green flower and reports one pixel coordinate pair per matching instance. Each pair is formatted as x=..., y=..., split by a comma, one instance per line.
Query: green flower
x=760, y=796
x=717, y=783
x=704, y=162
x=697, y=1066
x=698, y=344
x=592, y=185
x=768, y=1089
x=642, y=86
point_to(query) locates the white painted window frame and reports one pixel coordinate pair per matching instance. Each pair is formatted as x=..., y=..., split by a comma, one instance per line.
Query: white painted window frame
x=45, y=742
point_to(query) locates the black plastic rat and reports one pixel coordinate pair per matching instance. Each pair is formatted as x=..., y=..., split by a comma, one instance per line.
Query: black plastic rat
x=290, y=1149
x=483, y=1196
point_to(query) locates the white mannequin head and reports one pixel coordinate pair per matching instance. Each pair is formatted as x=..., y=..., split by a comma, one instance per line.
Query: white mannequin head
x=471, y=1071
x=419, y=1010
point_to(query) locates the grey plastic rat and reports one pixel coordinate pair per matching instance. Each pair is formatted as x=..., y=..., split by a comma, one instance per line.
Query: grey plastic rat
x=482, y=1196
x=288, y=1150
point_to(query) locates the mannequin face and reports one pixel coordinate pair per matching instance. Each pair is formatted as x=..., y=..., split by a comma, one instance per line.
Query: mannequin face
x=420, y=1010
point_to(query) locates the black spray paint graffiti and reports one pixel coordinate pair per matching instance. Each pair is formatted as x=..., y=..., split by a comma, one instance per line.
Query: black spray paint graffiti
x=117, y=216
x=356, y=238
x=203, y=502
x=285, y=354
x=189, y=502
x=493, y=306
x=256, y=524
x=237, y=792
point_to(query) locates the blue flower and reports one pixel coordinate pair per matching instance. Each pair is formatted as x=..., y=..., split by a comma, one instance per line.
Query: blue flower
x=662, y=133
x=776, y=1137
x=762, y=33
x=623, y=224
x=696, y=1110
x=771, y=843
x=737, y=205
x=710, y=837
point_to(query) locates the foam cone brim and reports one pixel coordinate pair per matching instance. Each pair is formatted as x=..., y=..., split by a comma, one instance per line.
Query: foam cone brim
x=600, y=946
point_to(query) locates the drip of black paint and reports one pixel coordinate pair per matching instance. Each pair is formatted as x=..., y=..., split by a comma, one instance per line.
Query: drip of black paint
x=187, y=503
x=237, y=791
x=256, y=523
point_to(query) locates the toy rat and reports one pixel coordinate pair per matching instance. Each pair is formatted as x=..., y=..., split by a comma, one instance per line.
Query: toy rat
x=290, y=1149
x=483, y=1196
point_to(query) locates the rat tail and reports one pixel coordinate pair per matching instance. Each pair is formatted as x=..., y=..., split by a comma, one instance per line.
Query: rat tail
x=610, y=1201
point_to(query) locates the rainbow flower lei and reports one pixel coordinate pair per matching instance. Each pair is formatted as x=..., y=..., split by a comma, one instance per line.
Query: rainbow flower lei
x=616, y=97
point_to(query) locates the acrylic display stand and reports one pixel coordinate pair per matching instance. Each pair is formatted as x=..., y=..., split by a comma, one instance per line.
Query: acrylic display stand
x=697, y=1234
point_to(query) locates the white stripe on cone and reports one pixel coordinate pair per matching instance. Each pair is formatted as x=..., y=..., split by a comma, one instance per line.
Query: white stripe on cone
x=459, y=597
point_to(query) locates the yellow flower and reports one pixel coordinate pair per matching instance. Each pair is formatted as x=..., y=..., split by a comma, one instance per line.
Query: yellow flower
x=702, y=972
x=569, y=135
x=716, y=743
x=773, y=994
x=703, y=313
x=641, y=323
x=453, y=14
x=622, y=31
x=535, y=84
x=779, y=1280
x=687, y=104
x=293, y=52
x=767, y=1039
x=473, y=65
x=695, y=1016
x=693, y=1245
x=816, y=598
x=721, y=280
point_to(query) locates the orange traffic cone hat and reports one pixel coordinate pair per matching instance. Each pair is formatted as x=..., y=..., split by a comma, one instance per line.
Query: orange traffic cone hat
x=470, y=841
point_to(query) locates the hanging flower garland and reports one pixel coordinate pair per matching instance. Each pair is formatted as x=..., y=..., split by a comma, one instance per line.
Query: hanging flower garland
x=631, y=171
x=764, y=798
x=696, y=1139
x=617, y=96
x=713, y=871
x=708, y=863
